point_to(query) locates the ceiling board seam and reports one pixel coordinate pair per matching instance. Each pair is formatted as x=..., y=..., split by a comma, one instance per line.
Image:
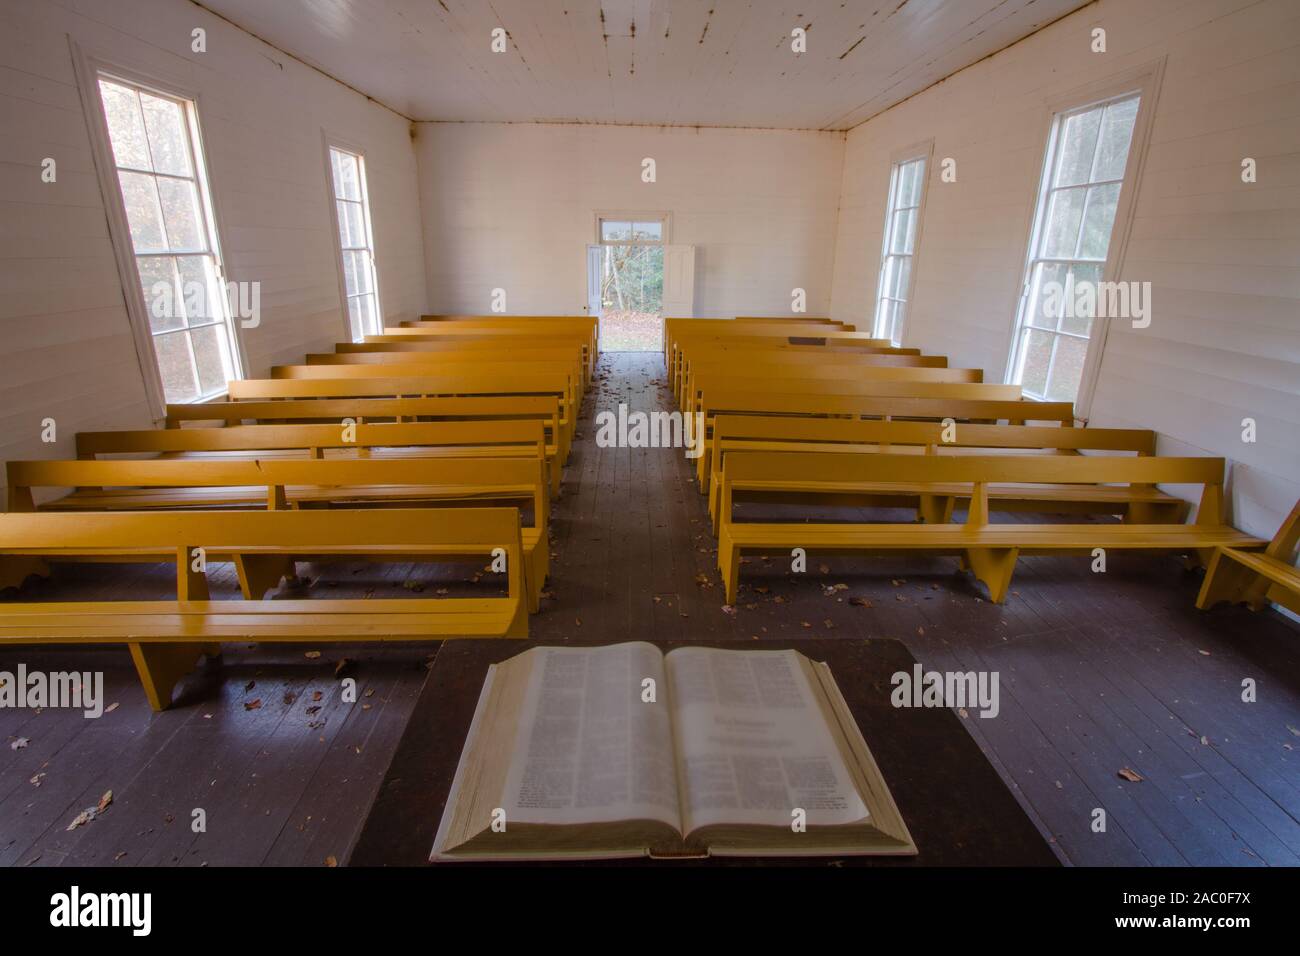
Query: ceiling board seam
x=945, y=79
x=311, y=66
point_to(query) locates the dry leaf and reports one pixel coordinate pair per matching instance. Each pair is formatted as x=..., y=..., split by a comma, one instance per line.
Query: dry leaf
x=19, y=744
x=312, y=655
x=253, y=704
x=331, y=861
x=111, y=707
x=860, y=602
x=1132, y=776
x=104, y=801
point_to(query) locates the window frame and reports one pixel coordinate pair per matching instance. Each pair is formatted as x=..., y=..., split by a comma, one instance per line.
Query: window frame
x=923, y=151
x=89, y=67
x=330, y=141
x=1142, y=81
x=621, y=215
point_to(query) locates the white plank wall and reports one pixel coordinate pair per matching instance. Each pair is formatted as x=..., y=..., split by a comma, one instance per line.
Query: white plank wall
x=511, y=206
x=1223, y=257
x=66, y=350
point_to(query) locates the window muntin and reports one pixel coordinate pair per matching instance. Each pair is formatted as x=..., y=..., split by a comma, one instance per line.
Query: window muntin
x=169, y=215
x=1088, y=153
x=356, y=242
x=898, y=248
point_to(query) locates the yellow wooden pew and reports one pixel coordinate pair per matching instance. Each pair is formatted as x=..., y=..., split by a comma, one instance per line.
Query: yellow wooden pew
x=989, y=550
x=543, y=408
x=458, y=439
x=723, y=402
x=166, y=637
x=1256, y=577
x=279, y=484
x=1142, y=505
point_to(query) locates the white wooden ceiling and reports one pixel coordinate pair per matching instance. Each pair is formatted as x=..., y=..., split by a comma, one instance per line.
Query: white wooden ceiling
x=652, y=62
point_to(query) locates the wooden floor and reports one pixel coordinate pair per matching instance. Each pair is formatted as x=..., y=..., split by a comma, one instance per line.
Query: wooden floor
x=1098, y=674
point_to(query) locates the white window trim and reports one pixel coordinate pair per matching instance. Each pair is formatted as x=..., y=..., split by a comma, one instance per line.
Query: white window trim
x=87, y=66
x=923, y=150
x=328, y=140
x=1145, y=81
x=622, y=215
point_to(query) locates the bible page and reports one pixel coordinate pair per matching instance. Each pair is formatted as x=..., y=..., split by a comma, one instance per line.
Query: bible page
x=589, y=749
x=752, y=743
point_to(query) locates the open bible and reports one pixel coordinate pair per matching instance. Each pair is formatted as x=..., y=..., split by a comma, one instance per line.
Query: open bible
x=623, y=751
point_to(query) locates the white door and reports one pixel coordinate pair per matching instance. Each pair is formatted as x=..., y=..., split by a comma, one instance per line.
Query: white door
x=595, y=264
x=679, y=282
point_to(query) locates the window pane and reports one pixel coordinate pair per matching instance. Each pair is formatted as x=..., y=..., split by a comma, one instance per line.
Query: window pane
x=1047, y=294
x=352, y=226
x=1077, y=144
x=168, y=139
x=648, y=231
x=1079, y=316
x=899, y=274
x=885, y=319
x=354, y=320
x=142, y=212
x=367, y=313
x=610, y=231
x=175, y=367
x=162, y=293
x=1067, y=369
x=1098, y=221
x=1064, y=212
x=1116, y=134
x=904, y=231
x=356, y=273
x=347, y=178
x=125, y=125
x=1038, y=352
x=211, y=352
x=203, y=294
x=909, y=191
x=180, y=206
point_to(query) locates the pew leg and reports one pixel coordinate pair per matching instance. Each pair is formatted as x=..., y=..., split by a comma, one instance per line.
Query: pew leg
x=993, y=566
x=729, y=565
x=702, y=470
x=519, y=623
x=935, y=509
x=538, y=565
x=715, y=504
x=1226, y=580
x=161, y=666
x=15, y=569
x=259, y=573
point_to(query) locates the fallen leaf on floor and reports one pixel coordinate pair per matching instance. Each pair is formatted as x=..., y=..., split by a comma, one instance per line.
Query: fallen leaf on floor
x=828, y=624
x=331, y=861
x=104, y=801
x=963, y=712
x=728, y=609
x=111, y=707
x=255, y=704
x=860, y=602
x=119, y=855
x=1132, y=776
x=824, y=568
x=413, y=585
x=1203, y=653
x=805, y=624
x=312, y=655
x=36, y=780
x=289, y=698
x=316, y=695
x=250, y=685
x=343, y=664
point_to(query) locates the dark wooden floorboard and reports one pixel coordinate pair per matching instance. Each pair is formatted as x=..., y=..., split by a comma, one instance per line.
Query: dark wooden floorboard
x=1098, y=673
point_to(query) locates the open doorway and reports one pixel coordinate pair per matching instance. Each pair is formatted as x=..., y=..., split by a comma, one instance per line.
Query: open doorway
x=626, y=283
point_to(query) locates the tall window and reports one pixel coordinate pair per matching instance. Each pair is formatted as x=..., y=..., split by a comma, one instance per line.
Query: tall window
x=906, y=187
x=356, y=242
x=168, y=208
x=1087, y=154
